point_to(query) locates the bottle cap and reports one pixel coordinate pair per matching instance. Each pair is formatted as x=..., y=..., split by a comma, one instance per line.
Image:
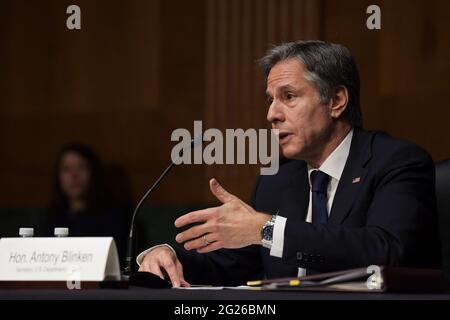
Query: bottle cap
x=26, y=232
x=61, y=232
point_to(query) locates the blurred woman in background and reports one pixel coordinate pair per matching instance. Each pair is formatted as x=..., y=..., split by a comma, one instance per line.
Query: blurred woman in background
x=80, y=199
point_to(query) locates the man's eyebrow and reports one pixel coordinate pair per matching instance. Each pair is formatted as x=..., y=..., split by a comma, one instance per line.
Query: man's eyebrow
x=286, y=87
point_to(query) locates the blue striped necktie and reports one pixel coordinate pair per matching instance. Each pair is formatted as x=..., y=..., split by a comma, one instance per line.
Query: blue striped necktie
x=319, y=183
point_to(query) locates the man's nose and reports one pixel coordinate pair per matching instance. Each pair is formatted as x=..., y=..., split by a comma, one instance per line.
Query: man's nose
x=275, y=114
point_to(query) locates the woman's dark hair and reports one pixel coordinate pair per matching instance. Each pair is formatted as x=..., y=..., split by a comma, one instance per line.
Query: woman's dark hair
x=96, y=193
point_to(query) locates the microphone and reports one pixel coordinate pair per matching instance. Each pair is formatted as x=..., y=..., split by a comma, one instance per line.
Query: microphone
x=149, y=279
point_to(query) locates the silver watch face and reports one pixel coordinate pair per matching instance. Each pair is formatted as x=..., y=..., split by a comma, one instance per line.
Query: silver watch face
x=267, y=233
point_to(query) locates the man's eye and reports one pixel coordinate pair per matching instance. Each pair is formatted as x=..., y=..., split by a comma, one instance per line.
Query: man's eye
x=269, y=100
x=289, y=96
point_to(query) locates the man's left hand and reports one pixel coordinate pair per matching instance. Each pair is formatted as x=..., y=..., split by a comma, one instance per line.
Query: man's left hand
x=232, y=225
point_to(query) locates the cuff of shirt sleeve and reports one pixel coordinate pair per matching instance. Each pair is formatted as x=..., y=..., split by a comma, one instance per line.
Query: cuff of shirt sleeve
x=278, y=237
x=142, y=255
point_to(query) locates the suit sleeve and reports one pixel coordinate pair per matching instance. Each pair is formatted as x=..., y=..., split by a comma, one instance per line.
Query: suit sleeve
x=225, y=267
x=397, y=226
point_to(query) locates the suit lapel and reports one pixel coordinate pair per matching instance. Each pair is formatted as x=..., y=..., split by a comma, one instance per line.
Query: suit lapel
x=353, y=176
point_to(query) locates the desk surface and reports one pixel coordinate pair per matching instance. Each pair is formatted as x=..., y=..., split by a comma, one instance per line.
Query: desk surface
x=137, y=293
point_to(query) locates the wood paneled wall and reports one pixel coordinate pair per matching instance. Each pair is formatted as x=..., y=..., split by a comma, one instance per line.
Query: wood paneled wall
x=405, y=75
x=139, y=69
x=238, y=33
x=132, y=74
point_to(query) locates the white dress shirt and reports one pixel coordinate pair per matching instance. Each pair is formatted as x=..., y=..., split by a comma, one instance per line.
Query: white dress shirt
x=332, y=166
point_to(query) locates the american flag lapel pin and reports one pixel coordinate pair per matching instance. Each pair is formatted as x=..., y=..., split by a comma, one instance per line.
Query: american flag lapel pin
x=356, y=180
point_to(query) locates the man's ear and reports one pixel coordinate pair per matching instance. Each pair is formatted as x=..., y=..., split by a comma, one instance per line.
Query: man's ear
x=339, y=101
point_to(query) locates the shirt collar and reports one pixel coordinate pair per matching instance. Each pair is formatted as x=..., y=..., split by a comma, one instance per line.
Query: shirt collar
x=335, y=163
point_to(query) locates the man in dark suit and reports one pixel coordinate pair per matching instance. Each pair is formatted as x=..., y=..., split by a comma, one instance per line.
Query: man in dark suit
x=346, y=197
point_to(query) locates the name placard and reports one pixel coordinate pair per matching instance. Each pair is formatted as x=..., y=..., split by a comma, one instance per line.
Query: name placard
x=59, y=259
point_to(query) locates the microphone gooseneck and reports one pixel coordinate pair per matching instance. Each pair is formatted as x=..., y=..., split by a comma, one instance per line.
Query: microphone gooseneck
x=130, y=244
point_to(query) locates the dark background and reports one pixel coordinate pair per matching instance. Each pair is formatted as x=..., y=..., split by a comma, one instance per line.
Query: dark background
x=139, y=69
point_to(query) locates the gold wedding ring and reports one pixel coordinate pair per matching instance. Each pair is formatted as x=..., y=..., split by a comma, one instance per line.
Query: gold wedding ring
x=207, y=243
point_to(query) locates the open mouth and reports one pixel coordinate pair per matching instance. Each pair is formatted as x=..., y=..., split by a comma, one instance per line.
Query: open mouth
x=284, y=137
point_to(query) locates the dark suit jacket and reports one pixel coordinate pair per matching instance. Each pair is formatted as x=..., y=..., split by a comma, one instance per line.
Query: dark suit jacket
x=388, y=218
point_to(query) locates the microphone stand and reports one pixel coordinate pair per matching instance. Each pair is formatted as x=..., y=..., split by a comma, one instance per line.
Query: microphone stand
x=147, y=279
x=130, y=243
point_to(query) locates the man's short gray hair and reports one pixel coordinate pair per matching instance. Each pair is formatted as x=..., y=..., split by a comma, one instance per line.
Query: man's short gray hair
x=327, y=66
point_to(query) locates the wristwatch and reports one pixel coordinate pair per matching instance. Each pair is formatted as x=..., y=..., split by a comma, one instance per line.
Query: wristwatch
x=267, y=233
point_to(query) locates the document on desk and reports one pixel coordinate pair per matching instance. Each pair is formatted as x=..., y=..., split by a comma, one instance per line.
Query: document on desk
x=201, y=287
x=370, y=279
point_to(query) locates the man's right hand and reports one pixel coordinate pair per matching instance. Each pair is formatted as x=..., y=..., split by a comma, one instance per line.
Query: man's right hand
x=163, y=259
